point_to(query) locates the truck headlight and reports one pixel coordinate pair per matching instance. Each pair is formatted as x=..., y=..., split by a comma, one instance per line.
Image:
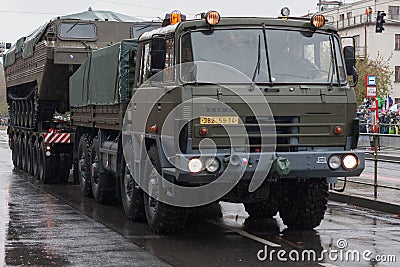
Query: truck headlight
x=334, y=162
x=212, y=165
x=195, y=165
x=350, y=162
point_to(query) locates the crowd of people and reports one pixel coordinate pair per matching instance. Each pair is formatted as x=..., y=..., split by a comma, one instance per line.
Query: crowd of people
x=4, y=121
x=389, y=122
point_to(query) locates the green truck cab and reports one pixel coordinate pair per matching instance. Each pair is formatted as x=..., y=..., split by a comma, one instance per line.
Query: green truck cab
x=250, y=110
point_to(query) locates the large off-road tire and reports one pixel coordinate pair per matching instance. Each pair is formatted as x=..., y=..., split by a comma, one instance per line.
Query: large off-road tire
x=29, y=156
x=100, y=181
x=132, y=198
x=15, y=152
x=264, y=209
x=35, y=159
x=75, y=171
x=161, y=217
x=47, y=165
x=19, y=153
x=23, y=154
x=303, y=203
x=85, y=143
x=261, y=210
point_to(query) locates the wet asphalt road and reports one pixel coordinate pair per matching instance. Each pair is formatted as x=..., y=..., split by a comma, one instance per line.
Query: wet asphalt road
x=38, y=229
x=54, y=225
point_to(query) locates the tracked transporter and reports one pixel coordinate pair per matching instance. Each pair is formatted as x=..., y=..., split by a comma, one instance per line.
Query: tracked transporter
x=37, y=71
x=250, y=110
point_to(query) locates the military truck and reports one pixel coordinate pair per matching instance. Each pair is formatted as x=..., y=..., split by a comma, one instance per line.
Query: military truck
x=37, y=70
x=175, y=98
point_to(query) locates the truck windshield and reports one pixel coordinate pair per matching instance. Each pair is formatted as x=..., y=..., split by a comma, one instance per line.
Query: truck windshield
x=294, y=56
x=77, y=31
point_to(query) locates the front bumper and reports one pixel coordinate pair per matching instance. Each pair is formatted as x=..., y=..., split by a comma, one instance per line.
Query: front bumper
x=303, y=165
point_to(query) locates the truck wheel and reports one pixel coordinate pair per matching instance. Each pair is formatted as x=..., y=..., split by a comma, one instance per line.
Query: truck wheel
x=132, y=198
x=265, y=209
x=303, y=203
x=262, y=210
x=35, y=159
x=23, y=155
x=85, y=143
x=15, y=152
x=19, y=153
x=161, y=217
x=100, y=181
x=46, y=165
x=75, y=171
x=29, y=157
x=65, y=167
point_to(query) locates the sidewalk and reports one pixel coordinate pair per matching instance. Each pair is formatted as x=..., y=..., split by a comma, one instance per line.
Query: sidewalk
x=389, y=147
x=388, y=200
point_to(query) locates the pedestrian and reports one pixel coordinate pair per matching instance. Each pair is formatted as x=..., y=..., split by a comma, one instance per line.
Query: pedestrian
x=368, y=12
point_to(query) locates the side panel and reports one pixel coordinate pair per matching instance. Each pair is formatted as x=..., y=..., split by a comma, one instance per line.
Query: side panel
x=100, y=117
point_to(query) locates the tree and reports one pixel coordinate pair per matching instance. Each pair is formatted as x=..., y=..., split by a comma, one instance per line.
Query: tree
x=381, y=68
x=3, y=109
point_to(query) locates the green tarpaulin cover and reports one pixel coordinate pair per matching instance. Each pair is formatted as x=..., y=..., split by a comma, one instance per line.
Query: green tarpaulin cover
x=103, y=79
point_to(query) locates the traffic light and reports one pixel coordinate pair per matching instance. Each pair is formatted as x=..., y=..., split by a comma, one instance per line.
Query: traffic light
x=380, y=21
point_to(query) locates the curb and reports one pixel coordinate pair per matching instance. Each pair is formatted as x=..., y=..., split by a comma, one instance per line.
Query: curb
x=365, y=203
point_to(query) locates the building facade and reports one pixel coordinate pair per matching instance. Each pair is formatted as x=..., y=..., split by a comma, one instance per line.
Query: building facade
x=358, y=20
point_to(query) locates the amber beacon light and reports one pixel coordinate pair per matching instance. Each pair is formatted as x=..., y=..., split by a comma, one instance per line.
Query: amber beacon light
x=317, y=21
x=175, y=17
x=212, y=17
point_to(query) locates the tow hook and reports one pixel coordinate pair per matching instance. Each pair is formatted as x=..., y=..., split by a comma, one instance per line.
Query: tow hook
x=281, y=166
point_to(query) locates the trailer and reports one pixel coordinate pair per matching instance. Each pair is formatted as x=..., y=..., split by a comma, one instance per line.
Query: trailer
x=37, y=70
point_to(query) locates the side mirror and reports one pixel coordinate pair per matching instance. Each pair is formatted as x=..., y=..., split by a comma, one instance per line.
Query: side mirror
x=8, y=45
x=349, y=58
x=350, y=61
x=157, y=53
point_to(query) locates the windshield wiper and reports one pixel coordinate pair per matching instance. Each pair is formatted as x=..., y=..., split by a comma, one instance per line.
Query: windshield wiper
x=257, y=70
x=267, y=55
x=73, y=26
x=331, y=71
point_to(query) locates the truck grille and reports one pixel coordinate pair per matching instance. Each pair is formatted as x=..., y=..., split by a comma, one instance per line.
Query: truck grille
x=286, y=130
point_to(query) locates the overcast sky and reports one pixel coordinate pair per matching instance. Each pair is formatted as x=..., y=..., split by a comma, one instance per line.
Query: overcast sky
x=20, y=17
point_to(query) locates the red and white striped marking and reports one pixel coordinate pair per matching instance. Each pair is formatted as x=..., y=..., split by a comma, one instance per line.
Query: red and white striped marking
x=57, y=138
